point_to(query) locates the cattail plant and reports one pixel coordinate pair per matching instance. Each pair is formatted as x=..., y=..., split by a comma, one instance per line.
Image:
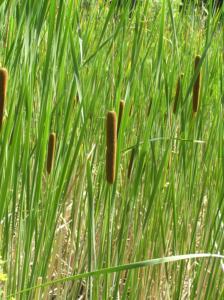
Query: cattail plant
x=178, y=91
x=121, y=111
x=131, y=110
x=149, y=107
x=131, y=161
x=51, y=152
x=196, y=88
x=111, y=127
x=3, y=88
x=77, y=98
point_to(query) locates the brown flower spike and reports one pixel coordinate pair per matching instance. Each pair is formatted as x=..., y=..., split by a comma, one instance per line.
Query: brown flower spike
x=3, y=89
x=111, y=127
x=121, y=111
x=51, y=152
x=196, y=88
x=178, y=90
x=131, y=162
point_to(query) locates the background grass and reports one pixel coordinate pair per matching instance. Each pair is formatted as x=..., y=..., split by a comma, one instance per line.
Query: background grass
x=70, y=62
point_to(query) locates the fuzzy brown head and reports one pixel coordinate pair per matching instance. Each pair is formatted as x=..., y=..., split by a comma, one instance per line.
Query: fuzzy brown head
x=51, y=152
x=131, y=161
x=111, y=152
x=121, y=111
x=196, y=88
x=178, y=91
x=3, y=89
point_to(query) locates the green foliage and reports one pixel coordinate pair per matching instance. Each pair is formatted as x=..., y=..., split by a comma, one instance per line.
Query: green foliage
x=69, y=233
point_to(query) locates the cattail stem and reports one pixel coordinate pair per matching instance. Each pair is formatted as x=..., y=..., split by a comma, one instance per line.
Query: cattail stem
x=3, y=89
x=196, y=88
x=178, y=90
x=51, y=152
x=121, y=111
x=111, y=146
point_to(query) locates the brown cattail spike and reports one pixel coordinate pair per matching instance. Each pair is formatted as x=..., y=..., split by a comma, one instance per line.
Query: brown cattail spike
x=196, y=88
x=111, y=146
x=51, y=152
x=149, y=107
x=178, y=90
x=121, y=111
x=3, y=88
x=131, y=110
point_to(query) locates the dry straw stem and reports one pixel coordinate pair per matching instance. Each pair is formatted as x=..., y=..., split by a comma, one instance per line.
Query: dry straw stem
x=37, y=293
x=178, y=90
x=121, y=111
x=51, y=152
x=3, y=89
x=111, y=127
x=196, y=88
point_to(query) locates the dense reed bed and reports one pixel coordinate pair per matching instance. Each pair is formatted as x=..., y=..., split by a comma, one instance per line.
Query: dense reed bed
x=98, y=207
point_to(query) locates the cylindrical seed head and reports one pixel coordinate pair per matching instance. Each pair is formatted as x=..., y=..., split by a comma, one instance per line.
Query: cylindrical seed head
x=51, y=152
x=121, y=111
x=3, y=89
x=149, y=107
x=111, y=152
x=131, y=162
x=177, y=95
x=196, y=88
x=131, y=110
